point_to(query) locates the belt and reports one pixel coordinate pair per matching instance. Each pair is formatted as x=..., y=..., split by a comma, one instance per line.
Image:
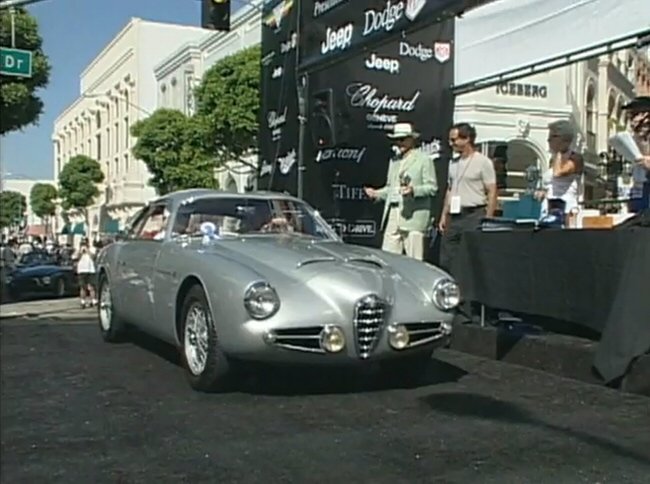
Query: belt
x=470, y=210
x=393, y=205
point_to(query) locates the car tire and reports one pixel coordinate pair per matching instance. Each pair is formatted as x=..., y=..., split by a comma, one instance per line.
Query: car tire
x=406, y=371
x=206, y=365
x=112, y=328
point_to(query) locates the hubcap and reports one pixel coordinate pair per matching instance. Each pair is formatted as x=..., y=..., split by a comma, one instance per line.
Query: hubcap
x=105, y=307
x=196, y=339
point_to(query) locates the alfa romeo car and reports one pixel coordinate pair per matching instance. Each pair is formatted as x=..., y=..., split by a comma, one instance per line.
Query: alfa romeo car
x=261, y=277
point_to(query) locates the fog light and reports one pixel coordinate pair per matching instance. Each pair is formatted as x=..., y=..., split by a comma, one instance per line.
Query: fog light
x=332, y=339
x=446, y=327
x=398, y=336
x=269, y=337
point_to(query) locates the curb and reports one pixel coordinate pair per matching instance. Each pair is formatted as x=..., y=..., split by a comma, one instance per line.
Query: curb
x=561, y=355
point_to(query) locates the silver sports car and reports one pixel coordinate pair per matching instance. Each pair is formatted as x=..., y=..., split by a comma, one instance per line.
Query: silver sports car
x=262, y=277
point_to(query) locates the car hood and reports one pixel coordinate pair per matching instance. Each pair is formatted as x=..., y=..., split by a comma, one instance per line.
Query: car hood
x=36, y=271
x=328, y=268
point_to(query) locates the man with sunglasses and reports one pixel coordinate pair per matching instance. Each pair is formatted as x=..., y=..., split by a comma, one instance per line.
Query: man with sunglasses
x=471, y=193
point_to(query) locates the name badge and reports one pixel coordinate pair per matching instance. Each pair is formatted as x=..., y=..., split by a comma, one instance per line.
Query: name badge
x=454, y=205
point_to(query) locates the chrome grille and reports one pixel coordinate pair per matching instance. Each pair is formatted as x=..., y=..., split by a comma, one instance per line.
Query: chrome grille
x=369, y=316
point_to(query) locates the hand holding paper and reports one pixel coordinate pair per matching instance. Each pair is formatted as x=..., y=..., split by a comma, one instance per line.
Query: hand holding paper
x=625, y=146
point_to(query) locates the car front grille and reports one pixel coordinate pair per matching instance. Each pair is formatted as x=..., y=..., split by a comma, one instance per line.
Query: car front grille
x=369, y=317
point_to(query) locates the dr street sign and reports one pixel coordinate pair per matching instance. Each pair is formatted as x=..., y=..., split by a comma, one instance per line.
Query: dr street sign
x=15, y=62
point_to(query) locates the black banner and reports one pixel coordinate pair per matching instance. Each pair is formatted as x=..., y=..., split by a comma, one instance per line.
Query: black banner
x=352, y=104
x=338, y=27
x=278, y=132
x=400, y=81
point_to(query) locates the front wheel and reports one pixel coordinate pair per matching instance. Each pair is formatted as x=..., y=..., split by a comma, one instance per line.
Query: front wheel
x=206, y=364
x=111, y=326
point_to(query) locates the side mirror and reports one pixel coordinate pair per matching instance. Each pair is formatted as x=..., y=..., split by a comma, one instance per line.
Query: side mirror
x=121, y=235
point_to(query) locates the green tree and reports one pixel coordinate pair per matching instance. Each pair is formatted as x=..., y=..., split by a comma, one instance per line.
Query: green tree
x=12, y=209
x=228, y=104
x=42, y=199
x=78, y=183
x=19, y=105
x=172, y=146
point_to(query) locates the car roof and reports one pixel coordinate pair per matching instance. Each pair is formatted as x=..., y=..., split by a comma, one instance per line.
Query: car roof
x=176, y=198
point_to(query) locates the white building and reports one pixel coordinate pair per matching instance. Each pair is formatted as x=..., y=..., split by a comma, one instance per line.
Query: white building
x=518, y=113
x=180, y=72
x=117, y=89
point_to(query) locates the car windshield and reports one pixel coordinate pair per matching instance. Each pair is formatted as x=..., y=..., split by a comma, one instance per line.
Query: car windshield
x=251, y=216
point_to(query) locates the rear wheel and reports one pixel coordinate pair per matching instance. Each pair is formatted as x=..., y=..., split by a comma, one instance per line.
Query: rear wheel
x=111, y=326
x=207, y=366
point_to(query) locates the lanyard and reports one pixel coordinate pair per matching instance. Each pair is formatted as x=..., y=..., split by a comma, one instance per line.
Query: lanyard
x=456, y=185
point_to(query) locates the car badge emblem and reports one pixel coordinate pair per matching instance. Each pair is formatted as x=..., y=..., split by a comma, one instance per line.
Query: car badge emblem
x=442, y=51
x=413, y=8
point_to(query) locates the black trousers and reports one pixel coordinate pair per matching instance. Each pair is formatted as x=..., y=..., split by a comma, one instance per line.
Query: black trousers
x=468, y=219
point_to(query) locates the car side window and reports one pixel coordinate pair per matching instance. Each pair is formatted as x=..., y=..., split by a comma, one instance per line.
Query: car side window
x=153, y=225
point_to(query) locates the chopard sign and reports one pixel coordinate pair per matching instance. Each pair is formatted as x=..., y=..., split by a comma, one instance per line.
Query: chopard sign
x=391, y=14
x=276, y=120
x=325, y=6
x=366, y=96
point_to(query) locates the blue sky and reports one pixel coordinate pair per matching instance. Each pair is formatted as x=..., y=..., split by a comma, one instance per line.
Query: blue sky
x=74, y=32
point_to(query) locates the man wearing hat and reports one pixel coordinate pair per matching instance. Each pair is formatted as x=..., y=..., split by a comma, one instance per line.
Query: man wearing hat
x=408, y=193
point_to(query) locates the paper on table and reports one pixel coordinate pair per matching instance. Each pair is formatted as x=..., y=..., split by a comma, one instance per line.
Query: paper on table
x=625, y=146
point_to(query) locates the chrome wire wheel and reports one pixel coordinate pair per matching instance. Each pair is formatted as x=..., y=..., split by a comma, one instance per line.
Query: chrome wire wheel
x=105, y=307
x=196, y=339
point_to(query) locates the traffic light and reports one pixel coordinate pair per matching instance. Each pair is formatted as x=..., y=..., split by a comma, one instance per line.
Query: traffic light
x=215, y=15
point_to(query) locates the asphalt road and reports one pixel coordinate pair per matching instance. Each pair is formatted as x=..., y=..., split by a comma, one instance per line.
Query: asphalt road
x=75, y=409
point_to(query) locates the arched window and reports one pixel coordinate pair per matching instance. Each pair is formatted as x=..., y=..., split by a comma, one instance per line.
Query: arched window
x=591, y=116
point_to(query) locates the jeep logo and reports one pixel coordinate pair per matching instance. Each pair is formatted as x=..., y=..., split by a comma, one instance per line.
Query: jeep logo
x=419, y=51
x=382, y=64
x=339, y=39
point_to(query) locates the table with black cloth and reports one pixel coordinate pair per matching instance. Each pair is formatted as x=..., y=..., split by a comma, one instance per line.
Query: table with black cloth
x=599, y=279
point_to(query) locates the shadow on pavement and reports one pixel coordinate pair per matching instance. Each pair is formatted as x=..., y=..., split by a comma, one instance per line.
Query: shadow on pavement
x=287, y=381
x=474, y=405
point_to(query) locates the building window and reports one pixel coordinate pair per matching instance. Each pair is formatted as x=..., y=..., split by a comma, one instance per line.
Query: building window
x=591, y=117
x=98, y=120
x=117, y=136
x=126, y=163
x=108, y=142
x=58, y=166
x=126, y=132
x=98, y=146
x=117, y=166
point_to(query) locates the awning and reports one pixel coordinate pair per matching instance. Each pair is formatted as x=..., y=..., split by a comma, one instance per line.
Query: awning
x=36, y=230
x=66, y=229
x=510, y=35
x=79, y=229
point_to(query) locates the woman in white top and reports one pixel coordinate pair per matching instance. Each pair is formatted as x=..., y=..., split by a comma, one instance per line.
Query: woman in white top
x=86, y=274
x=562, y=180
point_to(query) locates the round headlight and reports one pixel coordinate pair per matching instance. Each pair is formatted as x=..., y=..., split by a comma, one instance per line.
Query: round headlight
x=446, y=294
x=332, y=339
x=261, y=300
x=398, y=336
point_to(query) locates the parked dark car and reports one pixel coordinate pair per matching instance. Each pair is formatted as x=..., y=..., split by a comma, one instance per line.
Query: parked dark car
x=38, y=274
